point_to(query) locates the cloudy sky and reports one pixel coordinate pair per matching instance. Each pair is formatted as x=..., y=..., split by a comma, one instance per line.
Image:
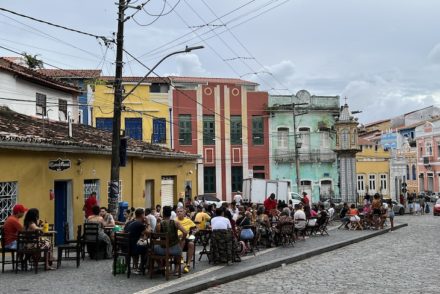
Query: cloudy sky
x=383, y=55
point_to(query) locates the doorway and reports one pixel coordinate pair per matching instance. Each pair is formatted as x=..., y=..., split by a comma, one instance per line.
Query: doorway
x=149, y=194
x=63, y=209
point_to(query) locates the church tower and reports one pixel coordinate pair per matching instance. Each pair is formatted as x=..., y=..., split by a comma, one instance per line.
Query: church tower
x=346, y=148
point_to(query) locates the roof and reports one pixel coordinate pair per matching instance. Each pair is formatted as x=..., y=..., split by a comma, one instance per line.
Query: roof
x=345, y=114
x=376, y=122
x=35, y=77
x=202, y=80
x=71, y=73
x=133, y=79
x=362, y=141
x=20, y=131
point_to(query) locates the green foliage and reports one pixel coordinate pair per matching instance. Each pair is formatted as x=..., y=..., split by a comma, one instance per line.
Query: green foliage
x=32, y=61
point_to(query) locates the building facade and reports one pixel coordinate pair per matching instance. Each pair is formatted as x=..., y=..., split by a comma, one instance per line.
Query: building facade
x=346, y=148
x=145, y=112
x=84, y=79
x=30, y=92
x=428, y=156
x=314, y=121
x=56, y=173
x=224, y=121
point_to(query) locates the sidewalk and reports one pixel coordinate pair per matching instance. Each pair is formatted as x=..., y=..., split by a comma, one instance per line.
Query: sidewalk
x=96, y=277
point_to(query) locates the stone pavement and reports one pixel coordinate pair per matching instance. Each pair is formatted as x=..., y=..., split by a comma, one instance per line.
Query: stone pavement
x=404, y=261
x=96, y=277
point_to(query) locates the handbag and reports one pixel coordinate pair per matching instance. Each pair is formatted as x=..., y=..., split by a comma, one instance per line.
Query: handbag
x=142, y=242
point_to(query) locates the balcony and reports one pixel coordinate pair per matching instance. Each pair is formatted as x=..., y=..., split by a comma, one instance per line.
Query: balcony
x=314, y=155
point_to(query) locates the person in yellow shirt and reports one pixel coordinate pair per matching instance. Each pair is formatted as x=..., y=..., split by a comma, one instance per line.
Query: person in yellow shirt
x=201, y=218
x=187, y=243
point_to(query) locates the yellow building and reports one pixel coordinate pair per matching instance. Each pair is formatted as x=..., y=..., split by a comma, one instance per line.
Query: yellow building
x=56, y=173
x=145, y=114
x=372, y=170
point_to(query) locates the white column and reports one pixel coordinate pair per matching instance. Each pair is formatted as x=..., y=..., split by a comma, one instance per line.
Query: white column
x=199, y=136
x=218, y=143
x=227, y=138
x=244, y=130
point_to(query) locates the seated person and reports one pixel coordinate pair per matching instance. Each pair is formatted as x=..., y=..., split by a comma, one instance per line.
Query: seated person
x=102, y=236
x=107, y=217
x=354, y=216
x=12, y=226
x=201, y=218
x=245, y=233
x=137, y=229
x=171, y=228
x=343, y=215
x=186, y=242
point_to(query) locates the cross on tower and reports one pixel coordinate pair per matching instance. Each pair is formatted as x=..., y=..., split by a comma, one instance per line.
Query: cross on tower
x=345, y=99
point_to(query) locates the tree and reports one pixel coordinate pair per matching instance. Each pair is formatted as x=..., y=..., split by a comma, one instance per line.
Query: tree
x=32, y=61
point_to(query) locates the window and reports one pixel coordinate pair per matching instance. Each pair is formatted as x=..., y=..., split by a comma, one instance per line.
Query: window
x=345, y=143
x=372, y=182
x=257, y=130
x=236, y=130
x=430, y=182
x=62, y=109
x=414, y=172
x=8, y=198
x=41, y=104
x=305, y=138
x=209, y=179
x=258, y=172
x=208, y=130
x=438, y=149
x=105, y=124
x=383, y=182
x=407, y=172
x=283, y=138
x=428, y=149
x=360, y=183
x=237, y=178
x=159, y=88
x=89, y=187
x=133, y=128
x=185, y=132
x=159, y=131
x=325, y=139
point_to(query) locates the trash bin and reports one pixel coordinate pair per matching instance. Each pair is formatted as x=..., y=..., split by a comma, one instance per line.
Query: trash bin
x=123, y=206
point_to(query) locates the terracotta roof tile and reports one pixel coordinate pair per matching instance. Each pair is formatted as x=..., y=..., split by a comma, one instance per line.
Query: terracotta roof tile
x=71, y=73
x=35, y=76
x=27, y=131
x=199, y=80
x=133, y=79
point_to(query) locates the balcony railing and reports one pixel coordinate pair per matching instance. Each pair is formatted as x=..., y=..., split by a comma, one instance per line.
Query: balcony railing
x=314, y=155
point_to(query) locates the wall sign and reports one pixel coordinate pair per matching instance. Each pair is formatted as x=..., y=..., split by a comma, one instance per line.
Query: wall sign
x=59, y=164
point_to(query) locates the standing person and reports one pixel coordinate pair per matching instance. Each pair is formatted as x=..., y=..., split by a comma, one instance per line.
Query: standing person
x=305, y=199
x=270, y=203
x=391, y=214
x=411, y=203
x=402, y=199
x=196, y=202
x=12, y=226
x=180, y=203
x=422, y=204
x=89, y=203
x=238, y=198
x=376, y=205
x=151, y=219
x=157, y=211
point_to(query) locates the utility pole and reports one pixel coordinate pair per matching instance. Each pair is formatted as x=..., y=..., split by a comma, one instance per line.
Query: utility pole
x=297, y=143
x=114, y=191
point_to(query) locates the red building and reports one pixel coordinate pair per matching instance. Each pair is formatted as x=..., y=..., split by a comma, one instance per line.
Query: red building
x=224, y=121
x=428, y=156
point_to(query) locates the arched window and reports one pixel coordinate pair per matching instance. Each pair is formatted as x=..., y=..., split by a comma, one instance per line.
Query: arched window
x=407, y=172
x=414, y=172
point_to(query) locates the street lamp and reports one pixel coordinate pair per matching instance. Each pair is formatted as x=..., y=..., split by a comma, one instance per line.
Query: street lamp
x=113, y=194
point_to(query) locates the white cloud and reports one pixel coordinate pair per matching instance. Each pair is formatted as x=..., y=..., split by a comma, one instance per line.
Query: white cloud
x=190, y=65
x=434, y=54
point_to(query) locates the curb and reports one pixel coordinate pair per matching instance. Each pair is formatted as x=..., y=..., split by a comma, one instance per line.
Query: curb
x=237, y=274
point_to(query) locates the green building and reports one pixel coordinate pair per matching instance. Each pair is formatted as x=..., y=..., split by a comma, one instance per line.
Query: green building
x=303, y=137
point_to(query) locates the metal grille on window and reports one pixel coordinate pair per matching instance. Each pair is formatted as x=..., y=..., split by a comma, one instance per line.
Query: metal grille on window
x=89, y=187
x=8, y=198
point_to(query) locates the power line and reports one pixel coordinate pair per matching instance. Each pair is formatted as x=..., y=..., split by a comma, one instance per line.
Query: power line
x=103, y=38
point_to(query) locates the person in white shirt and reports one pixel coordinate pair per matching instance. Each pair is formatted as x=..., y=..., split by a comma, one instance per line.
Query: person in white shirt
x=299, y=217
x=151, y=219
x=196, y=202
x=220, y=222
x=234, y=210
x=180, y=203
x=331, y=210
x=238, y=198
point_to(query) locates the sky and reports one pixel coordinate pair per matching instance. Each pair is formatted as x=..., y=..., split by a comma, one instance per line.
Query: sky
x=384, y=56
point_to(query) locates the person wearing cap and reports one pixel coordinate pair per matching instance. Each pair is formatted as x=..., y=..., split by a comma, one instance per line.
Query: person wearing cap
x=89, y=203
x=12, y=226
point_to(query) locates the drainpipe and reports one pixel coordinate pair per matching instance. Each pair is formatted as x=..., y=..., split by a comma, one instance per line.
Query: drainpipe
x=171, y=127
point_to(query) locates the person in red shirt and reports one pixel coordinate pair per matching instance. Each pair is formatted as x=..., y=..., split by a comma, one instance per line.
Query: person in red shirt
x=12, y=226
x=89, y=203
x=305, y=199
x=270, y=203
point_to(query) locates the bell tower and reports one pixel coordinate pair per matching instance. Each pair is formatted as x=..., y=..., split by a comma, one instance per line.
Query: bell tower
x=346, y=147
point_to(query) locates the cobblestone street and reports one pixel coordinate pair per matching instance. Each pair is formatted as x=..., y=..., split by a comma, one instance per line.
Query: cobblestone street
x=403, y=261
